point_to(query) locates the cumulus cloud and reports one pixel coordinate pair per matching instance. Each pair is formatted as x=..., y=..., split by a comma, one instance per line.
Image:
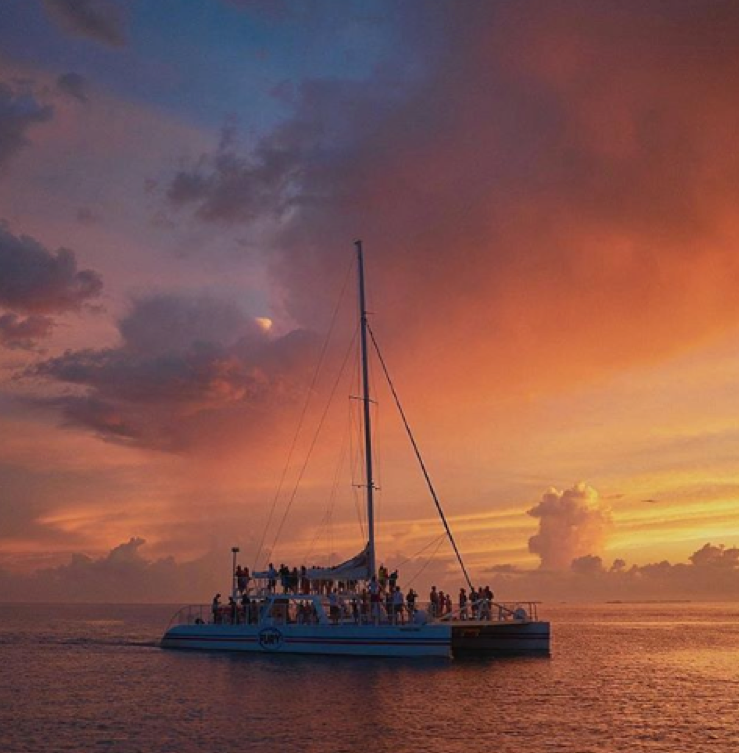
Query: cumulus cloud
x=123, y=575
x=572, y=524
x=74, y=85
x=37, y=282
x=711, y=573
x=185, y=366
x=19, y=112
x=34, y=279
x=24, y=333
x=100, y=20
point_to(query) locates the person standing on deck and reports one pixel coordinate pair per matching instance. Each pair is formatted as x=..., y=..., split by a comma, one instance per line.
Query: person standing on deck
x=271, y=578
x=434, y=602
x=215, y=608
x=411, y=601
x=462, y=604
x=382, y=577
x=374, y=592
x=398, y=601
x=333, y=603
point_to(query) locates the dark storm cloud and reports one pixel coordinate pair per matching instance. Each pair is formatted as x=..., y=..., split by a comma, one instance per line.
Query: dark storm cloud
x=73, y=84
x=185, y=366
x=282, y=171
x=19, y=112
x=530, y=148
x=100, y=20
x=35, y=280
x=24, y=333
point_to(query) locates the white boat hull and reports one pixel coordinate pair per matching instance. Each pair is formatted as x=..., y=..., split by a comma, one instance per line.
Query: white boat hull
x=342, y=640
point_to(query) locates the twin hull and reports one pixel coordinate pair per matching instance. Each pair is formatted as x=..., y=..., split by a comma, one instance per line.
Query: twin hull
x=436, y=639
x=347, y=640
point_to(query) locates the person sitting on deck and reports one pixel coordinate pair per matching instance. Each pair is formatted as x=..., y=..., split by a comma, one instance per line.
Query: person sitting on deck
x=398, y=601
x=215, y=608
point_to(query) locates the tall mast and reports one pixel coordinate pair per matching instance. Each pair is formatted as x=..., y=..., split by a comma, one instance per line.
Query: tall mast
x=367, y=419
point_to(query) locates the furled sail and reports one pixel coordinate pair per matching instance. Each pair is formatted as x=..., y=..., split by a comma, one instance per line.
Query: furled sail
x=357, y=568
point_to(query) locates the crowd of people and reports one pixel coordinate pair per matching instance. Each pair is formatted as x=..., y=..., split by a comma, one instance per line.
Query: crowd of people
x=380, y=600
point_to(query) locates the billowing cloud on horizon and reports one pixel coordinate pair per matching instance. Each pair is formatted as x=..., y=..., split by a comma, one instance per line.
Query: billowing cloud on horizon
x=573, y=523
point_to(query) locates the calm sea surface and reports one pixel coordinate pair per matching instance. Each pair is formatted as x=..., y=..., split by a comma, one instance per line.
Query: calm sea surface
x=645, y=677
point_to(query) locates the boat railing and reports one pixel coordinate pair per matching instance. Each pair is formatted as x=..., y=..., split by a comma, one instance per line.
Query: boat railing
x=486, y=610
x=352, y=609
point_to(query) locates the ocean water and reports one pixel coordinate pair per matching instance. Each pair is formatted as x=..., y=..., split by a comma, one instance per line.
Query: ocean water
x=621, y=677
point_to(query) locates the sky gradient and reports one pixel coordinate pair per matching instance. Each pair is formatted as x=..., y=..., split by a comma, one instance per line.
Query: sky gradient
x=547, y=195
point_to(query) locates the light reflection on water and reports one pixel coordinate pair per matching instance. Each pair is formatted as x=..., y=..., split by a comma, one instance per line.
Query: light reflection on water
x=622, y=677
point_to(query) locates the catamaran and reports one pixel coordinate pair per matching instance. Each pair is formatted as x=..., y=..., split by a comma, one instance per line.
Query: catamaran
x=346, y=609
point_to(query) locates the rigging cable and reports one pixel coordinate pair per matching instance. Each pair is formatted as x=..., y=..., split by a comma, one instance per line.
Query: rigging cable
x=313, y=442
x=418, y=456
x=321, y=359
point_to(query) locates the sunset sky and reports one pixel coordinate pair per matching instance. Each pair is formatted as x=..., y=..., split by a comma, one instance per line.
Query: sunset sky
x=548, y=194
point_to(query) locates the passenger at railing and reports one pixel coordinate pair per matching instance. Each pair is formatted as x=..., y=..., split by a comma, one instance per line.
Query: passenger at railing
x=355, y=610
x=284, y=573
x=434, y=602
x=448, y=604
x=389, y=606
x=398, y=602
x=233, y=610
x=463, y=604
x=488, y=597
x=333, y=606
x=215, y=608
x=271, y=578
x=393, y=580
x=304, y=582
x=245, y=608
x=374, y=594
x=474, y=598
x=242, y=579
x=410, y=599
x=484, y=610
x=382, y=577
